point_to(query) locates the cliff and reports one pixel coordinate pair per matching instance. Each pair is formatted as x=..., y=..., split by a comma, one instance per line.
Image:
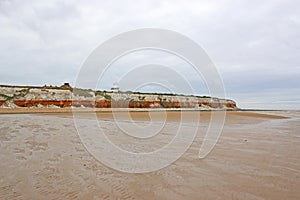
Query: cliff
x=65, y=96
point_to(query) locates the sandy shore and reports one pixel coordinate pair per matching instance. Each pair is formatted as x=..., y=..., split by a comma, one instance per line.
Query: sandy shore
x=139, y=114
x=256, y=157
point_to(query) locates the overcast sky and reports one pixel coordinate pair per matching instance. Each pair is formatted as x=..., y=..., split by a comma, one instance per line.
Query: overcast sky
x=255, y=45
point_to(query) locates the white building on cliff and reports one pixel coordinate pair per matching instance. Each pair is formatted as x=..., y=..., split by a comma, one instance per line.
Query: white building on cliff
x=115, y=87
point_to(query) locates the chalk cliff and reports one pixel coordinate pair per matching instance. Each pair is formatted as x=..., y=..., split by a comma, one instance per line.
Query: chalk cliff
x=48, y=96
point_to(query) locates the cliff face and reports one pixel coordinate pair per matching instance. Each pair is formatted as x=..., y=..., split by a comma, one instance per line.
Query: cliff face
x=67, y=97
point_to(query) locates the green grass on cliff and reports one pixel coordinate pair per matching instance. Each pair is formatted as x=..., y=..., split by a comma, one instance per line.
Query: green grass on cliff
x=83, y=92
x=6, y=98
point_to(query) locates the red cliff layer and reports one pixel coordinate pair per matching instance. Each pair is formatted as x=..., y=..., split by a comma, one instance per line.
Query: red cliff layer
x=117, y=104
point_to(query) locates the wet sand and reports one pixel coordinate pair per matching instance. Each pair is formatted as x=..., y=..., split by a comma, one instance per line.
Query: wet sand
x=256, y=157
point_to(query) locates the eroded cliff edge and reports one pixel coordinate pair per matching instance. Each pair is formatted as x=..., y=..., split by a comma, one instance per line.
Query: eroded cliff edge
x=60, y=97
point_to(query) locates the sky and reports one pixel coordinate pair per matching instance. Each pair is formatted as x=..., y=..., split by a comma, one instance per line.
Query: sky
x=255, y=45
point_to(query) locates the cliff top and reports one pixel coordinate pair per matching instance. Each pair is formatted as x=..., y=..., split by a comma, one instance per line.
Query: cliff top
x=67, y=86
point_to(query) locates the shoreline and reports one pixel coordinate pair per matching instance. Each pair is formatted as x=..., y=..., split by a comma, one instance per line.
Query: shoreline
x=140, y=113
x=70, y=110
x=88, y=110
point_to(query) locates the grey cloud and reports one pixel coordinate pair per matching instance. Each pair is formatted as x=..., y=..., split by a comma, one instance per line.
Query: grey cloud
x=255, y=44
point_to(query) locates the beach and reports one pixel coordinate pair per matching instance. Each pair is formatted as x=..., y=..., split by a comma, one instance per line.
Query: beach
x=256, y=157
